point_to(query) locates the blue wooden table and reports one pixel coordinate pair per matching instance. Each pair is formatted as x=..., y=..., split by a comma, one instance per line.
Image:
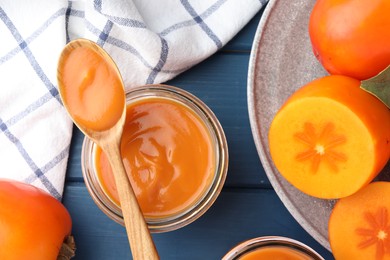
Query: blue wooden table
x=247, y=207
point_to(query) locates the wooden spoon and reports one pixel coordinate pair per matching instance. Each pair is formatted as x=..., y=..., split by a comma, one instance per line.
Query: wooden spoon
x=76, y=76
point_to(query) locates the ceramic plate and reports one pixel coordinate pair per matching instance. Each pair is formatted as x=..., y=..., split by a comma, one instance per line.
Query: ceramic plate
x=282, y=61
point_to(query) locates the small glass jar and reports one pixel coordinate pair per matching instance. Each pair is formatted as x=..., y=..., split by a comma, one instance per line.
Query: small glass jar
x=209, y=194
x=299, y=249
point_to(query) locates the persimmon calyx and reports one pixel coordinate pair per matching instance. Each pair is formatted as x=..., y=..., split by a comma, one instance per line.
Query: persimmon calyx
x=379, y=86
x=68, y=249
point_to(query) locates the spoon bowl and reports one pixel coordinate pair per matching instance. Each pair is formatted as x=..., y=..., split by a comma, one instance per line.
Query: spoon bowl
x=102, y=120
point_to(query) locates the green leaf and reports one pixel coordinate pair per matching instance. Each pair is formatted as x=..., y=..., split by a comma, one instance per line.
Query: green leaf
x=379, y=86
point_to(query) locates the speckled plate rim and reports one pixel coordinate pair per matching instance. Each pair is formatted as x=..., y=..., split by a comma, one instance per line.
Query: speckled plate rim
x=291, y=198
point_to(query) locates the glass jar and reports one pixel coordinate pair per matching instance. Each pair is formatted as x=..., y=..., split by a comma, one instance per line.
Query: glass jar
x=294, y=247
x=209, y=194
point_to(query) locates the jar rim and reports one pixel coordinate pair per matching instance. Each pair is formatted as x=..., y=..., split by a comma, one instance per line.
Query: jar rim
x=267, y=241
x=204, y=202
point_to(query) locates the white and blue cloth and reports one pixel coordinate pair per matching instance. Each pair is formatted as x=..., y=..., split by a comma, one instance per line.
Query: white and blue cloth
x=151, y=41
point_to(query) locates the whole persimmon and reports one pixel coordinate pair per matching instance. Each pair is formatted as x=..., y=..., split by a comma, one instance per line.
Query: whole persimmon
x=351, y=37
x=33, y=224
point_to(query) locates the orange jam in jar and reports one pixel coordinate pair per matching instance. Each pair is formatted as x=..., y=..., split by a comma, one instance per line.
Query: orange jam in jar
x=168, y=154
x=175, y=154
x=272, y=247
x=275, y=252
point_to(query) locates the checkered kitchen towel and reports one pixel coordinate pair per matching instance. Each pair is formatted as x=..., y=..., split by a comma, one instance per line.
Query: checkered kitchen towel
x=152, y=41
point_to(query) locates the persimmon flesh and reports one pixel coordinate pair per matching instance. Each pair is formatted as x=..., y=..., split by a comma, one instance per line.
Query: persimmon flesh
x=359, y=225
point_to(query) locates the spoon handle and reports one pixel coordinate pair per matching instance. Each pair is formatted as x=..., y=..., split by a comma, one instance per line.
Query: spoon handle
x=141, y=242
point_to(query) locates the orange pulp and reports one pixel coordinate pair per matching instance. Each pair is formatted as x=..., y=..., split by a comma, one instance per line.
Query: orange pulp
x=92, y=89
x=168, y=154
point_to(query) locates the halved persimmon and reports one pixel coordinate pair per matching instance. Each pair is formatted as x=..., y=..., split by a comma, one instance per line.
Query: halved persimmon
x=330, y=138
x=359, y=225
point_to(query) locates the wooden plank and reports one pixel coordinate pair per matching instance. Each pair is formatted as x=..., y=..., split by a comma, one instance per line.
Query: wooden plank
x=220, y=82
x=73, y=171
x=237, y=215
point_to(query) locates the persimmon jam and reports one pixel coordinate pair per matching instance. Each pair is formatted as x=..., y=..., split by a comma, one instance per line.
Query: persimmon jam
x=91, y=87
x=275, y=252
x=168, y=153
x=272, y=247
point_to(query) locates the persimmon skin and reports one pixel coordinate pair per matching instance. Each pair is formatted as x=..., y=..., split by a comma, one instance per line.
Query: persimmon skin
x=33, y=224
x=350, y=37
x=359, y=224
